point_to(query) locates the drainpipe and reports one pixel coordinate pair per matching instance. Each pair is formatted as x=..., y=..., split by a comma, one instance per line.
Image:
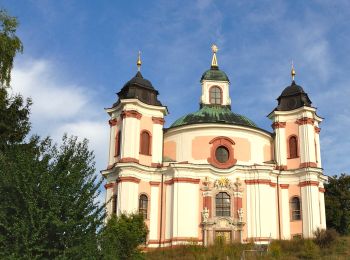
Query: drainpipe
x=278, y=206
x=161, y=211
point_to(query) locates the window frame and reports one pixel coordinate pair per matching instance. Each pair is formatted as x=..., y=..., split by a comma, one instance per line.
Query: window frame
x=114, y=203
x=216, y=98
x=295, y=213
x=143, y=209
x=148, y=152
x=222, y=207
x=294, y=154
x=117, y=147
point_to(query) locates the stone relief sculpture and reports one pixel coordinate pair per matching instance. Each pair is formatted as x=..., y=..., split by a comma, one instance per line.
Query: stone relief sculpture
x=240, y=215
x=222, y=183
x=205, y=215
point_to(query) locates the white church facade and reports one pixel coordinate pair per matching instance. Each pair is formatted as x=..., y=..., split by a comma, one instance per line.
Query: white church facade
x=214, y=173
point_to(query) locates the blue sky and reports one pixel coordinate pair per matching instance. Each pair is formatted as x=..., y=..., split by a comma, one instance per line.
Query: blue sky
x=78, y=54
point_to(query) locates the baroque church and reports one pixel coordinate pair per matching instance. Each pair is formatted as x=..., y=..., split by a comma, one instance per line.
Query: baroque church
x=215, y=173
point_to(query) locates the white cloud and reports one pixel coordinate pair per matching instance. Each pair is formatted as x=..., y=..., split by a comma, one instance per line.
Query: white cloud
x=62, y=107
x=53, y=98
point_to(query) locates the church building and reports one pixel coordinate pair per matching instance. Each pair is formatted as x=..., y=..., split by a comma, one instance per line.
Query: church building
x=215, y=173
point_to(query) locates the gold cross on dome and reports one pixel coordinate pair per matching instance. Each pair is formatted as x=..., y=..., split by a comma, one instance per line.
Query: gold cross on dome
x=214, y=48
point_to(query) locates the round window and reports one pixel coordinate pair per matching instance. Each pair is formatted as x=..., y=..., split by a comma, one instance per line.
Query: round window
x=222, y=154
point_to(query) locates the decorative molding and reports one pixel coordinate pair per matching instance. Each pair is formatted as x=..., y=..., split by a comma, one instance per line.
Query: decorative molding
x=128, y=160
x=154, y=183
x=308, y=164
x=131, y=113
x=128, y=179
x=281, y=167
x=175, y=239
x=278, y=125
x=323, y=190
x=110, y=166
x=257, y=239
x=308, y=183
x=110, y=185
x=183, y=180
x=305, y=120
x=157, y=165
x=317, y=130
x=227, y=143
x=260, y=181
x=284, y=186
x=158, y=120
x=112, y=122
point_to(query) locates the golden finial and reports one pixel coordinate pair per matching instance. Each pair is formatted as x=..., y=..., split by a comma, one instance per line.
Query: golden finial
x=214, y=61
x=293, y=71
x=139, y=62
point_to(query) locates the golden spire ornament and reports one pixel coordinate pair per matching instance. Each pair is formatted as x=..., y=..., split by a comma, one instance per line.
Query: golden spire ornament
x=214, y=61
x=139, y=61
x=293, y=71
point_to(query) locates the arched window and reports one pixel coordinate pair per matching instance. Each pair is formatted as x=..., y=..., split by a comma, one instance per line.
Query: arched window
x=223, y=204
x=145, y=143
x=215, y=95
x=143, y=204
x=118, y=140
x=295, y=208
x=114, y=204
x=293, y=147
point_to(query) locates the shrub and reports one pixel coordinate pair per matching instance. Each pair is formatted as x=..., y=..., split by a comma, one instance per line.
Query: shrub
x=309, y=250
x=325, y=238
x=275, y=249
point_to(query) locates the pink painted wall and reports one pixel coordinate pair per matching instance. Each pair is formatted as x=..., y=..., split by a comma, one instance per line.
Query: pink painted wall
x=146, y=123
x=170, y=150
x=292, y=129
x=296, y=226
x=201, y=148
x=267, y=152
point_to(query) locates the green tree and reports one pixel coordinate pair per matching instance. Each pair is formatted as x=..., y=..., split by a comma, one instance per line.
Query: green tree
x=337, y=200
x=10, y=45
x=48, y=205
x=14, y=113
x=122, y=236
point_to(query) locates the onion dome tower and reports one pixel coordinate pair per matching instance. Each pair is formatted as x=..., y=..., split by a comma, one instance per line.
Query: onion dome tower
x=297, y=147
x=136, y=140
x=137, y=120
x=215, y=102
x=293, y=96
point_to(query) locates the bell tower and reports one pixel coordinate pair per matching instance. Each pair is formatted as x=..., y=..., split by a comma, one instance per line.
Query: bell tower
x=136, y=122
x=297, y=149
x=136, y=139
x=215, y=84
x=296, y=128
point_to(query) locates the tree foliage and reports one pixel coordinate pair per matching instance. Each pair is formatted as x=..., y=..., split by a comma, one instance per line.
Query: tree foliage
x=337, y=200
x=48, y=205
x=122, y=235
x=10, y=45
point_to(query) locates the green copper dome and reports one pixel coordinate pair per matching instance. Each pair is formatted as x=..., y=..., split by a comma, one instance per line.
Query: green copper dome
x=215, y=74
x=214, y=114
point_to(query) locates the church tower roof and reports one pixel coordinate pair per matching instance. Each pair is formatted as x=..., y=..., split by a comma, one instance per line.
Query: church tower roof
x=293, y=96
x=140, y=88
x=214, y=73
x=215, y=106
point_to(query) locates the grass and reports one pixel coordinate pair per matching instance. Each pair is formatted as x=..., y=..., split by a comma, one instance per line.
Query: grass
x=278, y=249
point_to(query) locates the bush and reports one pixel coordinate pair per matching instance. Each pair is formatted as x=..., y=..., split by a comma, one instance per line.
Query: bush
x=275, y=249
x=122, y=236
x=325, y=238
